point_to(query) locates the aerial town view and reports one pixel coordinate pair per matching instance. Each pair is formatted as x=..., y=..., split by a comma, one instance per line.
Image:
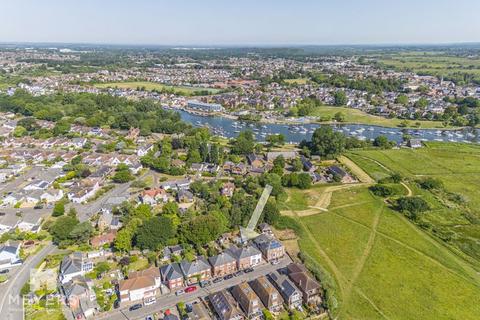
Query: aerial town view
x=207, y=160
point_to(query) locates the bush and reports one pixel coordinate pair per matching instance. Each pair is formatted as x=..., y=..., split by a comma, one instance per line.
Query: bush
x=431, y=184
x=382, y=190
x=412, y=206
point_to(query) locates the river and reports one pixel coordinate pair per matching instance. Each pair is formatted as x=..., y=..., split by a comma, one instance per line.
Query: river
x=295, y=133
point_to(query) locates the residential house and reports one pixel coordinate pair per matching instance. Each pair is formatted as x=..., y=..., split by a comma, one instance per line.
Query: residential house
x=30, y=223
x=225, y=306
x=104, y=220
x=254, y=160
x=265, y=228
x=143, y=150
x=271, y=248
x=198, y=312
x=170, y=251
x=307, y=164
x=287, y=155
x=84, y=190
x=292, y=296
x=267, y=293
x=248, y=300
x=196, y=271
x=8, y=222
x=223, y=264
x=172, y=276
x=80, y=297
x=310, y=288
x=103, y=239
x=51, y=195
x=239, y=169
x=342, y=175
x=414, y=143
x=154, y=196
x=227, y=189
x=140, y=285
x=247, y=256
x=10, y=255
x=75, y=264
x=184, y=196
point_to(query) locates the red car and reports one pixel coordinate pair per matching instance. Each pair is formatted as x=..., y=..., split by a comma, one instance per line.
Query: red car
x=190, y=289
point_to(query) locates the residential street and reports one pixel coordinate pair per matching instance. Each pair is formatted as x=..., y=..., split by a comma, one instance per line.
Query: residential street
x=10, y=301
x=170, y=300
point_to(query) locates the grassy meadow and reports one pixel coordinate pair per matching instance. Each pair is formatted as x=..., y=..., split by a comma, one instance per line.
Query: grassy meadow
x=382, y=266
x=150, y=86
x=458, y=167
x=357, y=116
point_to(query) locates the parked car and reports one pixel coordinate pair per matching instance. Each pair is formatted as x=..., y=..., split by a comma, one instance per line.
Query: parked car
x=179, y=292
x=4, y=271
x=149, y=318
x=217, y=280
x=276, y=261
x=191, y=289
x=228, y=277
x=116, y=304
x=248, y=270
x=150, y=301
x=135, y=307
x=239, y=272
x=205, y=283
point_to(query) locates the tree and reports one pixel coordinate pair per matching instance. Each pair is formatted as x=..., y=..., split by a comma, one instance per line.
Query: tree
x=275, y=139
x=412, y=206
x=326, y=142
x=421, y=103
x=340, y=98
x=58, y=209
x=81, y=232
x=339, y=117
x=19, y=131
x=297, y=165
x=202, y=229
x=122, y=174
x=382, y=142
x=382, y=190
x=271, y=212
x=61, y=127
x=170, y=208
x=402, y=99
x=279, y=161
x=304, y=181
x=244, y=143
x=62, y=227
x=430, y=184
x=123, y=240
x=154, y=233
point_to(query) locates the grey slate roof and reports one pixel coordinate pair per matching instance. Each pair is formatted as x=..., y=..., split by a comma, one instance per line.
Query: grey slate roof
x=221, y=259
x=195, y=267
x=171, y=272
x=243, y=252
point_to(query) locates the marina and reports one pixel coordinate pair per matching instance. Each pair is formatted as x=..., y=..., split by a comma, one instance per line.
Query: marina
x=229, y=128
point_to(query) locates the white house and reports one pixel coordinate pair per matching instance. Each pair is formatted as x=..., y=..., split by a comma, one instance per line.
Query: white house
x=52, y=195
x=30, y=223
x=10, y=255
x=74, y=265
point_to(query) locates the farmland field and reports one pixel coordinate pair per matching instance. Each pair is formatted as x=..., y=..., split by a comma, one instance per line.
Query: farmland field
x=382, y=265
x=150, y=86
x=458, y=68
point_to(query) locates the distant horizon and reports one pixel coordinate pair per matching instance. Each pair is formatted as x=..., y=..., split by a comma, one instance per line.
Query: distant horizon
x=241, y=45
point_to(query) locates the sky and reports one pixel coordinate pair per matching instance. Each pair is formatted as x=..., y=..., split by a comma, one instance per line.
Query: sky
x=240, y=22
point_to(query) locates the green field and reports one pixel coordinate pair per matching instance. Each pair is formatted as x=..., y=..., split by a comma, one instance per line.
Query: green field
x=383, y=266
x=357, y=116
x=150, y=86
x=435, y=64
x=458, y=167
